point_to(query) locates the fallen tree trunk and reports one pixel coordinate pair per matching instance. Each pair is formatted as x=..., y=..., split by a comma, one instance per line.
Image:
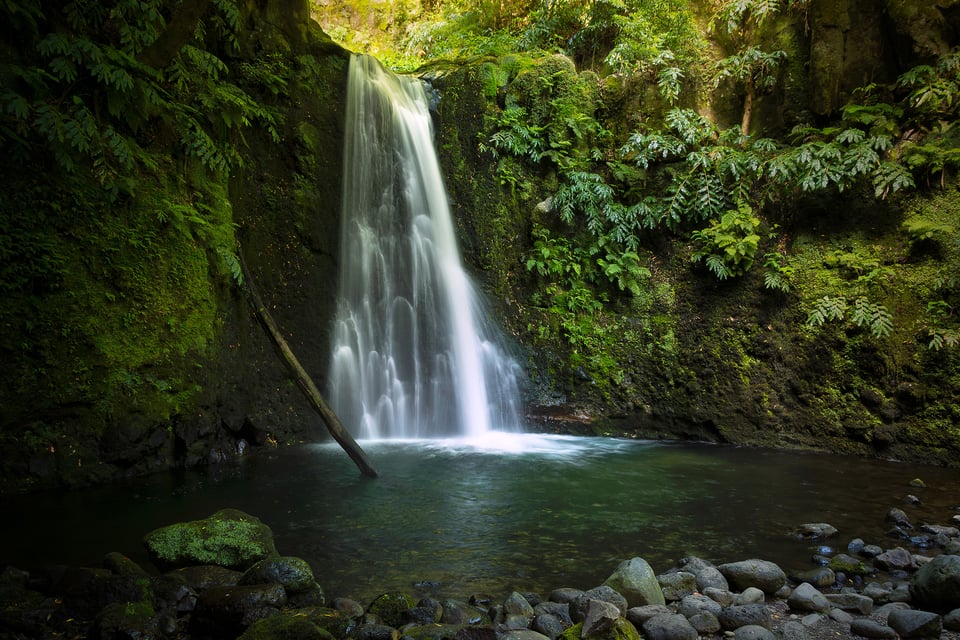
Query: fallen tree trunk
x=330, y=419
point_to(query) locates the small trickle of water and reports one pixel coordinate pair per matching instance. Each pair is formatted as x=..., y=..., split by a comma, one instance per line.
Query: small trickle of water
x=414, y=353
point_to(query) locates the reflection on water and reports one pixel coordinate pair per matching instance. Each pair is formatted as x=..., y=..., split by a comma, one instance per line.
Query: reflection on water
x=509, y=511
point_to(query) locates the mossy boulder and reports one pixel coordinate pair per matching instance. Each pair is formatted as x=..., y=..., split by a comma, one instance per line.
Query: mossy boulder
x=622, y=629
x=389, y=608
x=293, y=626
x=229, y=538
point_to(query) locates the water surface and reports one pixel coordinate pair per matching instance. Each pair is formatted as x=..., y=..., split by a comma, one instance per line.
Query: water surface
x=507, y=512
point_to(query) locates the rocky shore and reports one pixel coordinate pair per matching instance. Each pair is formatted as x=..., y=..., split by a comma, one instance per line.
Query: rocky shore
x=222, y=577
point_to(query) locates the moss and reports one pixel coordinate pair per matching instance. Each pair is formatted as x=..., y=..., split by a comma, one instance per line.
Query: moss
x=292, y=626
x=228, y=538
x=389, y=608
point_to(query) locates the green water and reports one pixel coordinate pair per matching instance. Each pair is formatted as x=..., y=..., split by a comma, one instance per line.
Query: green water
x=517, y=512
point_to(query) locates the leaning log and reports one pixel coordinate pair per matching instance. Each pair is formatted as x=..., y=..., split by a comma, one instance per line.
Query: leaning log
x=304, y=381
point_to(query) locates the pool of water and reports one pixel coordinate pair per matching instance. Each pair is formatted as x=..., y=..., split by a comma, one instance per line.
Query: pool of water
x=524, y=512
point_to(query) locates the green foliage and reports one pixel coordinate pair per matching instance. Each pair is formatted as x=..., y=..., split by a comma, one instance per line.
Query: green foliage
x=864, y=312
x=777, y=272
x=221, y=542
x=729, y=245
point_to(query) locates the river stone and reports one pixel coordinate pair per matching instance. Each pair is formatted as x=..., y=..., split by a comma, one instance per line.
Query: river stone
x=850, y=602
x=290, y=627
x=638, y=615
x=600, y=618
x=229, y=610
x=121, y=565
x=459, y=612
x=695, y=603
x=750, y=595
x=848, y=565
x=390, y=608
x=869, y=628
x=815, y=531
x=896, y=559
x=704, y=622
x=805, y=597
x=899, y=518
x=911, y=623
x=548, y=624
x=560, y=610
x=737, y=616
x=936, y=586
x=763, y=574
x=202, y=577
x=676, y=585
x=939, y=529
x=374, y=631
x=793, y=630
x=708, y=576
x=621, y=630
x=120, y=620
x=753, y=632
x=565, y=595
x=951, y=621
x=724, y=597
x=668, y=626
x=578, y=608
x=293, y=573
x=519, y=634
x=228, y=538
x=818, y=577
x=635, y=580
x=517, y=611
x=841, y=616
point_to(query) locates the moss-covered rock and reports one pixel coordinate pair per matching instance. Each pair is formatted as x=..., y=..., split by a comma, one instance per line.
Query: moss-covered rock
x=228, y=538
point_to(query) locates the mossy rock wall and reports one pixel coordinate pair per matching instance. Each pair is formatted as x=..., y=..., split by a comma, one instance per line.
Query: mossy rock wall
x=128, y=346
x=694, y=357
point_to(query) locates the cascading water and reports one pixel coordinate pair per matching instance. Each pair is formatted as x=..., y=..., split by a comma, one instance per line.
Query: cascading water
x=414, y=355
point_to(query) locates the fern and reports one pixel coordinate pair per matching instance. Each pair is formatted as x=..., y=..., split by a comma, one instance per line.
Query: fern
x=875, y=316
x=826, y=309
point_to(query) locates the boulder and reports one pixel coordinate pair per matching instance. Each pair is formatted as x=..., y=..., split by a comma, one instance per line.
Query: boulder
x=578, y=608
x=707, y=575
x=227, y=611
x=293, y=573
x=289, y=627
x=548, y=625
x=806, y=597
x=518, y=612
x=936, y=586
x=870, y=628
x=600, y=618
x=815, y=531
x=951, y=621
x=911, y=623
x=695, y=603
x=677, y=584
x=850, y=602
x=390, y=608
x=737, y=616
x=750, y=595
x=896, y=559
x=229, y=538
x=704, y=622
x=753, y=632
x=763, y=574
x=669, y=626
x=638, y=615
x=635, y=580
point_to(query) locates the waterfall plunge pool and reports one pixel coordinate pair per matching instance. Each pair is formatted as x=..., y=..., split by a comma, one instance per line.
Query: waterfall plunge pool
x=506, y=512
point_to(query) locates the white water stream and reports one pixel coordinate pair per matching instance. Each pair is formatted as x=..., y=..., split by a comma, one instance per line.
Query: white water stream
x=414, y=352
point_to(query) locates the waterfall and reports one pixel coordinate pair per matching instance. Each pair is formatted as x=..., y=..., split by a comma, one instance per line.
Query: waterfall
x=414, y=352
